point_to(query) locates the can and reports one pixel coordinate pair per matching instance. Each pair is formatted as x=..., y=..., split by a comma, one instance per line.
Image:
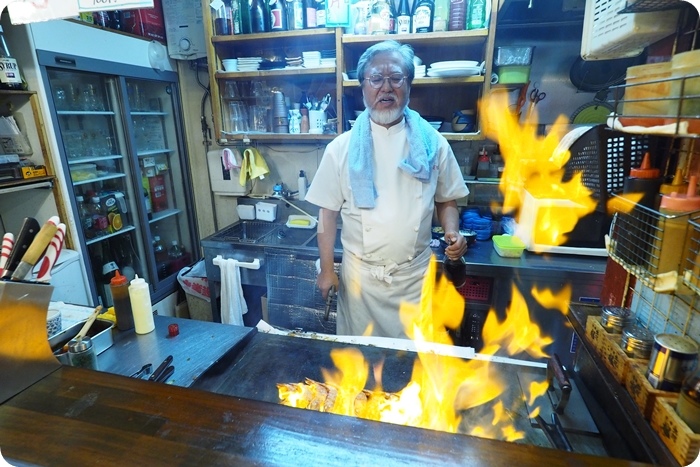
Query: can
x=615, y=318
x=672, y=358
x=637, y=341
x=81, y=353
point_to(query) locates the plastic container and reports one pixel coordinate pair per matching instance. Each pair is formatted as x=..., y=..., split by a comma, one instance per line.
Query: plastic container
x=513, y=74
x=638, y=89
x=508, y=246
x=119, y=287
x=80, y=172
x=506, y=56
x=684, y=65
x=140, y=297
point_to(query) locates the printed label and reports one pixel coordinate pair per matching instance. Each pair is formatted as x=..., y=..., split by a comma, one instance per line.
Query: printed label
x=9, y=71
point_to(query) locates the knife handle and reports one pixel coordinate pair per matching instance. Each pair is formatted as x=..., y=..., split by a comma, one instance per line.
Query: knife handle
x=52, y=254
x=24, y=238
x=41, y=241
x=161, y=368
x=8, y=241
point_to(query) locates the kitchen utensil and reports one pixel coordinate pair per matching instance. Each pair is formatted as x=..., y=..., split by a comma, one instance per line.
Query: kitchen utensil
x=52, y=254
x=554, y=432
x=329, y=300
x=86, y=327
x=161, y=368
x=535, y=97
x=145, y=370
x=167, y=373
x=562, y=398
x=8, y=241
x=30, y=227
x=36, y=249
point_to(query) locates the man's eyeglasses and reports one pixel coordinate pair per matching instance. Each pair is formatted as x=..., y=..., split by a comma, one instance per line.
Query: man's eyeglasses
x=377, y=81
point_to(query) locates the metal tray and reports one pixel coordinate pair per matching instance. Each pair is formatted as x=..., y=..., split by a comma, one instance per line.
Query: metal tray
x=100, y=332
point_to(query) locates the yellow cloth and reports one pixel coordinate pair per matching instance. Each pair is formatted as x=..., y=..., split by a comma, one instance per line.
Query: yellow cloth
x=253, y=166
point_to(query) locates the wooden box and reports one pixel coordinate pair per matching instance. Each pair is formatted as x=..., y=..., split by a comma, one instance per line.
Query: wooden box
x=641, y=390
x=610, y=350
x=683, y=442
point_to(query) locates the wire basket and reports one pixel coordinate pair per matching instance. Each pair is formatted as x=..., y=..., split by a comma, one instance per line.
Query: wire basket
x=650, y=245
x=691, y=266
x=607, y=34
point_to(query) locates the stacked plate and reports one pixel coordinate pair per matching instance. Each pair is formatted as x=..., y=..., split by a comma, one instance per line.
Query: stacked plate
x=294, y=62
x=312, y=59
x=454, y=68
x=420, y=71
x=248, y=63
x=327, y=62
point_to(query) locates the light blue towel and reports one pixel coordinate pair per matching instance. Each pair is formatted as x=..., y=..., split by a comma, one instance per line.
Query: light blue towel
x=423, y=145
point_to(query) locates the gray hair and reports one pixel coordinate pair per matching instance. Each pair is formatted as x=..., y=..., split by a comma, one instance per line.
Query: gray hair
x=386, y=47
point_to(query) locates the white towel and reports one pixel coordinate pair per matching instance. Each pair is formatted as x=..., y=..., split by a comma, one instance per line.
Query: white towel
x=233, y=305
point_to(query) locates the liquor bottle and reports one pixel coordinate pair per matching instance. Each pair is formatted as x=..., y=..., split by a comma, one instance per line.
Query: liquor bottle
x=320, y=13
x=116, y=20
x=455, y=270
x=244, y=16
x=403, y=18
x=85, y=217
x=278, y=15
x=476, y=16
x=310, y=8
x=441, y=16
x=235, y=13
x=295, y=15
x=380, y=19
x=10, y=76
x=100, y=18
x=458, y=15
x=422, y=17
x=259, y=20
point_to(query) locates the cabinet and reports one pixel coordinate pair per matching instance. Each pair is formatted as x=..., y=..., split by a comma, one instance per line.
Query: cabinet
x=39, y=196
x=439, y=97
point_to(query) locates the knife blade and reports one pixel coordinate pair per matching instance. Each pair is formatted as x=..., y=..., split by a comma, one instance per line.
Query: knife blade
x=30, y=227
x=52, y=254
x=161, y=368
x=36, y=249
x=8, y=241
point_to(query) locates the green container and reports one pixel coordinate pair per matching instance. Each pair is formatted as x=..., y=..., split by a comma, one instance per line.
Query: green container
x=514, y=74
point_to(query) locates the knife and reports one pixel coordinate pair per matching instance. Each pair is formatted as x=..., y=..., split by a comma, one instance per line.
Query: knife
x=163, y=377
x=30, y=227
x=161, y=368
x=52, y=254
x=8, y=241
x=36, y=249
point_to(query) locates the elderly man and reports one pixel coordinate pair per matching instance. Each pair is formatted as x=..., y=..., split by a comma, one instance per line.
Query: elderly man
x=385, y=177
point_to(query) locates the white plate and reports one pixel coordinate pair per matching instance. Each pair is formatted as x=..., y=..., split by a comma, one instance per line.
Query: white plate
x=455, y=64
x=448, y=72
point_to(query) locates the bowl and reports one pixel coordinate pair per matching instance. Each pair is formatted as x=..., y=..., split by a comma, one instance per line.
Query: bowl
x=53, y=320
x=230, y=64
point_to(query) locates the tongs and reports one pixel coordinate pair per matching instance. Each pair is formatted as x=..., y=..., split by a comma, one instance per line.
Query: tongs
x=554, y=432
x=164, y=370
x=329, y=300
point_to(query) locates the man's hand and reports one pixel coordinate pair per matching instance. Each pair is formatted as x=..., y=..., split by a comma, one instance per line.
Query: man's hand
x=456, y=245
x=326, y=280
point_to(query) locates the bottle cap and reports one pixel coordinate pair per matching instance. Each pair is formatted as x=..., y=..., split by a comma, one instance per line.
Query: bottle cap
x=95, y=199
x=302, y=174
x=645, y=170
x=138, y=280
x=678, y=184
x=79, y=198
x=118, y=279
x=687, y=202
x=174, y=243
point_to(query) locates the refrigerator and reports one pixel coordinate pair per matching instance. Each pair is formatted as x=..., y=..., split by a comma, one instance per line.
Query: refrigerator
x=119, y=133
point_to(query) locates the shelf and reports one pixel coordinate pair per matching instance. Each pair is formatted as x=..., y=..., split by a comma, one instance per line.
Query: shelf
x=99, y=179
x=353, y=83
x=123, y=230
x=274, y=36
x=275, y=73
x=25, y=183
x=279, y=137
x=462, y=136
x=149, y=113
x=474, y=36
x=80, y=160
x=153, y=152
x=9, y=93
x=84, y=112
x=160, y=215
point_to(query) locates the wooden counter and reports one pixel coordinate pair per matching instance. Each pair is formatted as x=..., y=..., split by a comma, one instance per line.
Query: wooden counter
x=81, y=417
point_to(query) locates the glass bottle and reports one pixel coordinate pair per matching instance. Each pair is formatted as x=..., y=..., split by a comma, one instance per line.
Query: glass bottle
x=278, y=15
x=403, y=18
x=476, y=16
x=380, y=19
x=295, y=15
x=10, y=76
x=81, y=353
x=320, y=13
x=458, y=15
x=243, y=11
x=422, y=17
x=455, y=270
x=85, y=217
x=310, y=8
x=259, y=20
x=441, y=16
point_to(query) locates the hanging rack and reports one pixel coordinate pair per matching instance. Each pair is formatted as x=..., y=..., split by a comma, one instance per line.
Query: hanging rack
x=255, y=264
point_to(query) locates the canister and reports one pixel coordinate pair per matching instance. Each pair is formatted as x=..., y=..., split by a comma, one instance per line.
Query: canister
x=644, y=98
x=637, y=341
x=81, y=353
x=672, y=358
x=685, y=71
x=615, y=318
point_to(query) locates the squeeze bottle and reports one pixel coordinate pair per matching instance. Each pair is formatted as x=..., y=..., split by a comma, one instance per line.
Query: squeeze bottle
x=645, y=180
x=302, y=185
x=140, y=297
x=122, y=303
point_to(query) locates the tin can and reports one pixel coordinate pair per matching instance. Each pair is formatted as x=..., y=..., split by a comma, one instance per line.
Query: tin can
x=81, y=353
x=637, y=341
x=615, y=318
x=672, y=358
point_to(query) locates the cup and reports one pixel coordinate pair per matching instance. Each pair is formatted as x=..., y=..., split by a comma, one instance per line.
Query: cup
x=230, y=64
x=238, y=116
x=317, y=119
x=230, y=90
x=258, y=118
x=53, y=320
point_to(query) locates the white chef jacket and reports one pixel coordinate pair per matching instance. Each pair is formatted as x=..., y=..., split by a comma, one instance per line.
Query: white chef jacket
x=394, y=234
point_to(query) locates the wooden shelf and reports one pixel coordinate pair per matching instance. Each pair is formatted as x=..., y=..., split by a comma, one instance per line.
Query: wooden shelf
x=8, y=93
x=275, y=73
x=274, y=36
x=474, y=36
x=276, y=137
x=428, y=81
x=26, y=184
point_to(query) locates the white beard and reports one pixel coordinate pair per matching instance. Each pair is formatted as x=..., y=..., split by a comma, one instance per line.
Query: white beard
x=385, y=117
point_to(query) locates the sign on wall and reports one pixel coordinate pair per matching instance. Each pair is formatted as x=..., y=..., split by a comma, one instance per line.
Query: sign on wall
x=31, y=11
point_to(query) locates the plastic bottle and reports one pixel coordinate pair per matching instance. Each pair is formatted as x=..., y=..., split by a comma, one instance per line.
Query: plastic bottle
x=140, y=298
x=100, y=223
x=174, y=251
x=483, y=165
x=645, y=180
x=10, y=76
x=476, y=16
x=678, y=185
x=85, y=217
x=403, y=18
x=422, y=16
x=302, y=185
x=159, y=249
x=304, y=120
x=119, y=287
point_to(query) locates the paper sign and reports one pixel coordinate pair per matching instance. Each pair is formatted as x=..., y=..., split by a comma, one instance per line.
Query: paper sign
x=32, y=11
x=337, y=13
x=105, y=5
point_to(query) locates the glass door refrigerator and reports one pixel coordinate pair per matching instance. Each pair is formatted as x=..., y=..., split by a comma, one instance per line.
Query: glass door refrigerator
x=119, y=130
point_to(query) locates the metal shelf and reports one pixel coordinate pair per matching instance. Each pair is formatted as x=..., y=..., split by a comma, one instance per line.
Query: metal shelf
x=646, y=6
x=26, y=184
x=123, y=230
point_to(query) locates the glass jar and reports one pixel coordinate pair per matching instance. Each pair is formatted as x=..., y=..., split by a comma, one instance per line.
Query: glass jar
x=81, y=353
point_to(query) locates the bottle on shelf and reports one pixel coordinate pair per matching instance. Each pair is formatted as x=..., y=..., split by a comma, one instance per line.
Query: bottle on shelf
x=278, y=15
x=119, y=287
x=476, y=15
x=159, y=249
x=140, y=298
x=175, y=251
x=243, y=8
x=310, y=9
x=259, y=16
x=458, y=15
x=84, y=216
x=10, y=76
x=320, y=13
x=233, y=11
x=304, y=125
x=380, y=19
x=441, y=16
x=116, y=20
x=100, y=222
x=295, y=15
x=109, y=268
x=403, y=18
x=149, y=207
x=422, y=16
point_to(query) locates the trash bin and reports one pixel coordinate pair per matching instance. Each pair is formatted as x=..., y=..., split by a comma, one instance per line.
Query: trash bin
x=194, y=282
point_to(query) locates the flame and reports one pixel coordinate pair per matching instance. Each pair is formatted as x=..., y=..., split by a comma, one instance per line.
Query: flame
x=447, y=393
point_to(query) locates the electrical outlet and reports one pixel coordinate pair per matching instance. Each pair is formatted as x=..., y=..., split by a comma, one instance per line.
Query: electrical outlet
x=266, y=211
